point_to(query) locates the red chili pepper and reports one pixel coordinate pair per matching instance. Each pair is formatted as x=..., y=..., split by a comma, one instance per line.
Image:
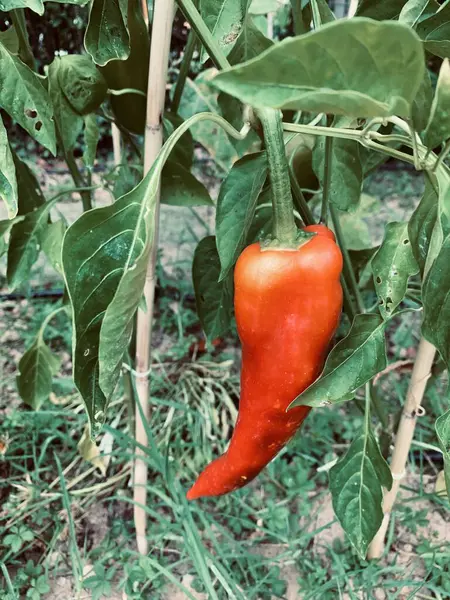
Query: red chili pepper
x=287, y=304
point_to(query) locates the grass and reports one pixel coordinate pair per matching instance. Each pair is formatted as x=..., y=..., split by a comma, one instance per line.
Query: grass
x=63, y=519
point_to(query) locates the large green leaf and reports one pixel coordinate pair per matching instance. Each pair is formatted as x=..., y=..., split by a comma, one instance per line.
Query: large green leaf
x=199, y=97
x=250, y=43
x=236, y=207
x=380, y=9
x=392, y=266
x=316, y=72
x=224, y=19
x=214, y=299
x=81, y=83
x=180, y=188
x=352, y=362
x=5, y=227
x=10, y=40
x=107, y=35
x=24, y=244
x=438, y=127
x=356, y=482
x=443, y=433
x=35, y=5
x=346, y=172
x=68, y=120
x=421, y=224
x=36, y=369
x=435, y=32
x=8, y=181
x=24, y=97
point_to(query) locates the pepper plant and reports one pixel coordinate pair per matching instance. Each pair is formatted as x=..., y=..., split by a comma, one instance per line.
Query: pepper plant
x=305, y=120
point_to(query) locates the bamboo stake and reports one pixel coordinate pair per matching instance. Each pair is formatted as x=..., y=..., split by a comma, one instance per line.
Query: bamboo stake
x=158, y=66
x=117, y=146
x=419, y=377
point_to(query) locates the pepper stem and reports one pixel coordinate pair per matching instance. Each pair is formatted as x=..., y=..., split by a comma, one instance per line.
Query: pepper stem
x=284, y=228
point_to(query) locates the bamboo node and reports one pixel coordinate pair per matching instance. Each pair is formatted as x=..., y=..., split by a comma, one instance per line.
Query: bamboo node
x=398, y=476
x=137, y=374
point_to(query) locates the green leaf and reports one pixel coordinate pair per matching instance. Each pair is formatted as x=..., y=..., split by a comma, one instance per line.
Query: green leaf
x=301, y=15
x=51, y=240
x=180, y=188
x=107, y=35
x=326, y=14
x=28, y=188
x=236, y=207
x=34, y=5
x=352, y=363
x=416, y=11
x=36, y=369
x=199, y=97
x=81, y=83
x=442, y=426
x=10, y=40
x=262, y=7
x=8, y=181
x=435, y=32
x=224, y=18
x=421, y=107
x=346, y=172
x=250, y=43
x=380, y=9
x=25, y=99
x=91, y=139
x=392, y=266
x=5, y=228
x=24, y=245
x=421, y=224
x=438, y=127
x=214, y=299
x=126, y=177
x=355, y=225
x=316, y=72
x=356, y=482
x=68, y=121
x=183, y=152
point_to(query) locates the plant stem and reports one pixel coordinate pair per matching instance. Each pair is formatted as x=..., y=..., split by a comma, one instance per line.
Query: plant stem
x=157, y=69
x=20, y=25
x=284, y=228
x=75, y=173
x=348, y=268
x=419, y=377
x=326, y=180
x=299, y=199
x=199, y=26
x=184, y=70
x=316, y=19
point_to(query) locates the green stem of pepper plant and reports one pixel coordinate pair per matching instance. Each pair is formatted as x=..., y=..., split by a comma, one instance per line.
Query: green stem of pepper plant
x=299, y=199
x=284, y=228
x=86, y=198
x=184, y=70
x=326, y=180
x=316, y=18
x=349, y=274
x=20, y=26
x=199, y=26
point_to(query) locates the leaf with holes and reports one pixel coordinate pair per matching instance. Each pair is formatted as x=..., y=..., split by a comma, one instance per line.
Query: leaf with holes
x=438, y=127
x=107, y=35
x=442, y=426
x=36, y=369
x=316, y=72
x=8, y=181
x=421, y=224
x=356, y=482
x=236, y=207
x=68, y=121
x=214, y=299
x=392, y=266
x=346, y=172
x=352, y=363
x=25, y=99
x=224, y=18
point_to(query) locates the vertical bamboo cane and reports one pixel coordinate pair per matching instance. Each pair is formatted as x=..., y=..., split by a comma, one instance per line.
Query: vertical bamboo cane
x=158, y=65
x=419, y=377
